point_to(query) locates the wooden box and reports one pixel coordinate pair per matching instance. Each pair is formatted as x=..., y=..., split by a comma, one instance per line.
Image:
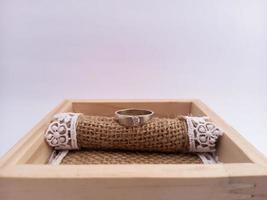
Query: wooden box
x=242, y=174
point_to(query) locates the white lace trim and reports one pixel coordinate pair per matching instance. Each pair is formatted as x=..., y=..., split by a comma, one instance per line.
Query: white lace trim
x=202, y=133
x=61, y=132
x=208, y=158
x=57, y=157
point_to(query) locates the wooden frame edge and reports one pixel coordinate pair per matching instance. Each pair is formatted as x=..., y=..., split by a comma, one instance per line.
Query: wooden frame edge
x=15, y=153
x=235, y=136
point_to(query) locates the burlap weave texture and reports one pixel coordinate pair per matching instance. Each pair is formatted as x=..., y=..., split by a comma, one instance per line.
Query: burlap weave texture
x=86, y=157
x=158, y=135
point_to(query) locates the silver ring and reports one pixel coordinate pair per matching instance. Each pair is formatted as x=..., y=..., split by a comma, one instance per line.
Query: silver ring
x=133, y=117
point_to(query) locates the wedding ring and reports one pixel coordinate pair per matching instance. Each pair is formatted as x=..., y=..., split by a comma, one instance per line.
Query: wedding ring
x=133, y=117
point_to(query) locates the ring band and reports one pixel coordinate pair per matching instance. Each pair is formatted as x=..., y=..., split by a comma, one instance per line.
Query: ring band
x=133, y=117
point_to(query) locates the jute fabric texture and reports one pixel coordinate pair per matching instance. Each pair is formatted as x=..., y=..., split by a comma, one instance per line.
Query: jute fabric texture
x=158, y=135
x=128, y=157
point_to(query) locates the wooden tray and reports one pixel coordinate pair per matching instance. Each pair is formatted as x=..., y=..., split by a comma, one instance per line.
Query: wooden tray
x=24, y=173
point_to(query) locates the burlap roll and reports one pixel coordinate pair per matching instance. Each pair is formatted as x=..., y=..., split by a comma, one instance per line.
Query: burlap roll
x=185, y=134
x=86, y=157
x=158, y=135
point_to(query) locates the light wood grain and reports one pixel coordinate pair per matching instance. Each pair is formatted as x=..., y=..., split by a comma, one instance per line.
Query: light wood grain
x=107, y=108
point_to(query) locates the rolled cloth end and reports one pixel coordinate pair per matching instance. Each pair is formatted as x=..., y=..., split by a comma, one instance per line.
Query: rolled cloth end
x=61, y=132
x=186, y=134
x=202, y=133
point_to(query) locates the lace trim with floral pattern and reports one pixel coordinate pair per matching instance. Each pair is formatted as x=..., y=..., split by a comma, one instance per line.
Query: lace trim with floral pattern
x=202, y=133
x=61, y=132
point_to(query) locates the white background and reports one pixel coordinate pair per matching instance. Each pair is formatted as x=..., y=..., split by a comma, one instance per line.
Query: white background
x=212, y=50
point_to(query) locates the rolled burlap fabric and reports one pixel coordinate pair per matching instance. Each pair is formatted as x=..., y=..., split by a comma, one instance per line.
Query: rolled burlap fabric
x=158, y=135
x=168, y=135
